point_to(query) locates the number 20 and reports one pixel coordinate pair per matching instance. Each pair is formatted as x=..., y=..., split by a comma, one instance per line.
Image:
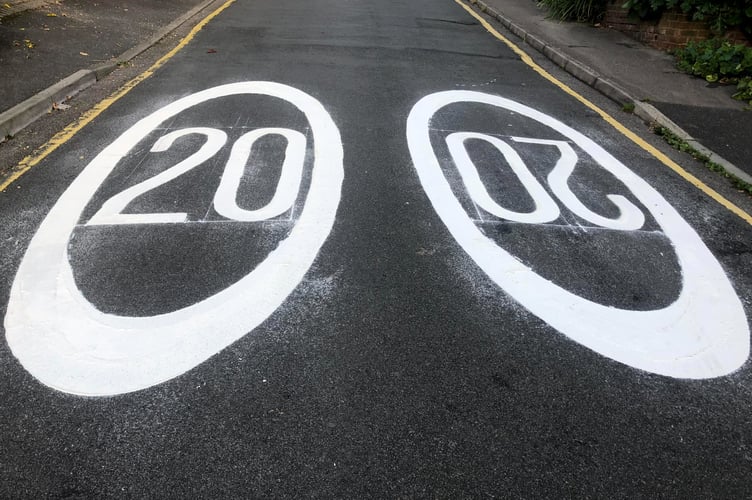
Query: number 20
x=65, y=342
x=225, y=199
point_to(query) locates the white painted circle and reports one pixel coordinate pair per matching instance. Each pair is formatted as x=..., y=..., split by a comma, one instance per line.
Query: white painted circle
x=61, y=339
x=703, y=334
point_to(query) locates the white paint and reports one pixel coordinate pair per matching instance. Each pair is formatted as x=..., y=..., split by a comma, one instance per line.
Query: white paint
x=545, y=210
x=630, y=218
x=110, y=212
x=225, y=199
x=61, y=339
x=703, y=334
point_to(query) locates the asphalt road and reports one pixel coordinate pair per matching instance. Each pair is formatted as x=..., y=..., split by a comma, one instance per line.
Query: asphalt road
x=361, y=249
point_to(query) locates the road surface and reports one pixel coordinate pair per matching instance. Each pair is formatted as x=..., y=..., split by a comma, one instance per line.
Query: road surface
x=362, y=249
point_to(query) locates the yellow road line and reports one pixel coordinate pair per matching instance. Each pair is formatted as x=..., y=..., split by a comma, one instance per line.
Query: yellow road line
x=72, y=129
x=64, y=135
x=611, y=120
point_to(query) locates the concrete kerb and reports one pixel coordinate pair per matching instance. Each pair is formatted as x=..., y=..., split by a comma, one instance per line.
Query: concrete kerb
x=22, y=115
x=645, y=111
x=613, y=91
x=648, y=113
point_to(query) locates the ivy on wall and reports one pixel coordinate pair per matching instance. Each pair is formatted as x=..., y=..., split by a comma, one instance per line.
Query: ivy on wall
x=720, y=15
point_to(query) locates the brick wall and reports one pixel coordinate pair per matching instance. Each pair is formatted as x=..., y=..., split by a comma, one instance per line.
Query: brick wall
x=672, y=30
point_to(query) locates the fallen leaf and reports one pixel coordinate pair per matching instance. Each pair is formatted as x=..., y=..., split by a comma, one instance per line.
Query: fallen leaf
x=6, y=5
x=51, y=14
x=29, y=44
x=211, y=51
x=84, y=53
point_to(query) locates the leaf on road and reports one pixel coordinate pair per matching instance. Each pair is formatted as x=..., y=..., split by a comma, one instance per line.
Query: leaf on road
x=84, y=53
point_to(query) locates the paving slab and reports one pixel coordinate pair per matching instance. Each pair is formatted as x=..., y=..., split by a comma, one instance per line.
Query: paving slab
x=41, y=46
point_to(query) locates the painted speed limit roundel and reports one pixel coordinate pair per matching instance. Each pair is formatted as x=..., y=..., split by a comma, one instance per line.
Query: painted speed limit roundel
x=704, y=333
x=72, y=346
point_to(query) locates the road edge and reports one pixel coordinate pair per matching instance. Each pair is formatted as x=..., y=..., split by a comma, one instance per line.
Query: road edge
x=645, y=111
x=27, y=112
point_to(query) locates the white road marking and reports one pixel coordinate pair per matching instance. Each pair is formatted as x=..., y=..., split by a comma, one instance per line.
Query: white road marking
x=630, y=217
x=546, y=209
x=61, y=339
x=225, y=199
x=110, y=212
x=703, y=334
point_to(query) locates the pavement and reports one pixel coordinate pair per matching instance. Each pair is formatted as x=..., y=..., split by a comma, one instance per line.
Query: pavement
x=627, y=71
x=51, y=50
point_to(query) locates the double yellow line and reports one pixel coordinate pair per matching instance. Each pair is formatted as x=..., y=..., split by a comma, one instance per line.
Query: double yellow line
x=610, y=119
x=72, y=129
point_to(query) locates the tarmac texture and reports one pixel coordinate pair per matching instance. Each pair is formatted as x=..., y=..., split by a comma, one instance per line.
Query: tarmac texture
x=397, y=367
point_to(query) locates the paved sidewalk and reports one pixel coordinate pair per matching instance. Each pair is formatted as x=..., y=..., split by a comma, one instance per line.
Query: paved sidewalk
x=68, y=44
x=628, y=71
x=10, y=7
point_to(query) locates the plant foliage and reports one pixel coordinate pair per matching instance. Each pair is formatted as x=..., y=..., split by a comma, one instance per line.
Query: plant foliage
x=575, y=10
x=720, y=15
x=719, y=60
x=714, y=59
x=683, y=146
x=744, y=90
